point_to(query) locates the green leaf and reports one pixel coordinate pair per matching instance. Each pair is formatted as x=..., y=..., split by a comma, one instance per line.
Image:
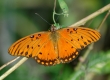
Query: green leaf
x=64, y=7
x=99, y=62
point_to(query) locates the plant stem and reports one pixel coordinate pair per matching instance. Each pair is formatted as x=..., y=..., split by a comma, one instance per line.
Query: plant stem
x=13, y=68
x=8, y=63
x=84, y=20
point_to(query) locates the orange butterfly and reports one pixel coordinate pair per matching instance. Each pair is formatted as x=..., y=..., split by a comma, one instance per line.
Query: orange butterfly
x=55, y=46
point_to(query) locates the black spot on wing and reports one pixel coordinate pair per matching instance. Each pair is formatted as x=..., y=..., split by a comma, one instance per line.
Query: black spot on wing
x=74, y=29
x=27, y=46
x=26, y=53
x=32, y=36
x=39, y=35
x=67, y=30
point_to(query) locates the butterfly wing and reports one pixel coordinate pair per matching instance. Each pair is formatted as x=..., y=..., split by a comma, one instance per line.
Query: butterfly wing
x=39, y=46
x=47, y=55
x=72, y=40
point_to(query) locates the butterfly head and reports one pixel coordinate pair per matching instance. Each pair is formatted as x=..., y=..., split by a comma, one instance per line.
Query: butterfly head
x=53, y=28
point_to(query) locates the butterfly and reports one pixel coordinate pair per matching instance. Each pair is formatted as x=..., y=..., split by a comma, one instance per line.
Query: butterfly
x=54, y=46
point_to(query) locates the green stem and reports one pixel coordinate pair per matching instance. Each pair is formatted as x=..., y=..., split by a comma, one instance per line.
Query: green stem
x=54, y=17
x=54, y=12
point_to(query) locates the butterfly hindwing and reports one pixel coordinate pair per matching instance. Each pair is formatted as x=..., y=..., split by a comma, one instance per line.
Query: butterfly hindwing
x=67, y=50
x=47, y=54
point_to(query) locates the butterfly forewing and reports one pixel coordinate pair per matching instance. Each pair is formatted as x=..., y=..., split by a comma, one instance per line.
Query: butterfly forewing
x=26, y=45
x=13, y=49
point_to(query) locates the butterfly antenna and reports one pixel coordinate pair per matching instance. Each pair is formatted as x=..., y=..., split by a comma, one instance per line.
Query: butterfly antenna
x=42, y=18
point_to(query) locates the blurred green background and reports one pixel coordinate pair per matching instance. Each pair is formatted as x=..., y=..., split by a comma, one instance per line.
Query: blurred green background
x=18, y=19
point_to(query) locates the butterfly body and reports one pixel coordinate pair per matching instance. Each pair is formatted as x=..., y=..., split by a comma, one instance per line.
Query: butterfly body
x=54, y=46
